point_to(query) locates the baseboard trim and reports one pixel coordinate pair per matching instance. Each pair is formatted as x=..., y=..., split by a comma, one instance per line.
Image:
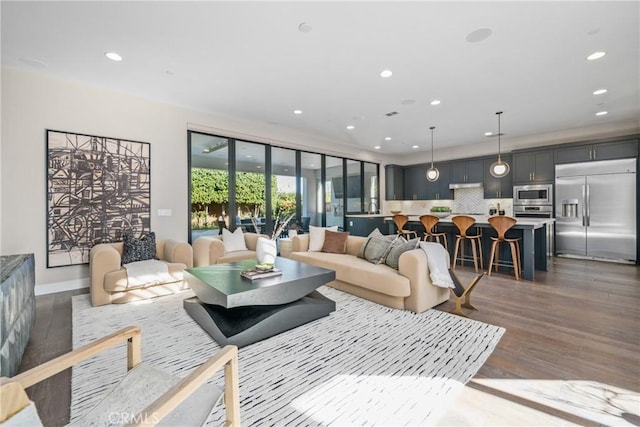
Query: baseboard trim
x=68, y=285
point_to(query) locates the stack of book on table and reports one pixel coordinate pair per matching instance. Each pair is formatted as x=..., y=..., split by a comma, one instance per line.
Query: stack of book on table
x=256, y=273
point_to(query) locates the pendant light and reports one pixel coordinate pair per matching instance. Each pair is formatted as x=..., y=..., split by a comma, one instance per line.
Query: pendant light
x=432, y=173
x=499, y=169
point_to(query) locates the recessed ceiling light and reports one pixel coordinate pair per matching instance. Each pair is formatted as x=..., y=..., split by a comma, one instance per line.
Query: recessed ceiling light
x=596, y=55
x=602, y=113
x=435, y=102
x=305, y=28
x=113, y=56
x=35, y=63
x=415, y=146
x=286, y=170
x=351, y=127
x=387, y=138
x=297, y=111
x=248, y=156
x=377, y=147
x=478, y=35
x=488, y=133
x=599, y=91
x=386, y=73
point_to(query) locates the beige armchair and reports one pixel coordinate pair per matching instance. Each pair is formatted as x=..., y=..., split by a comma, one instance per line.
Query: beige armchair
x=109, y=280
x=209, y=250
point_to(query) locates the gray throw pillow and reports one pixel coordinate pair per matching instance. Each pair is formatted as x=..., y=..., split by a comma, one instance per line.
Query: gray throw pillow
x=140, y=249
x=397, y=249
x=377, y=248
x=374, y=233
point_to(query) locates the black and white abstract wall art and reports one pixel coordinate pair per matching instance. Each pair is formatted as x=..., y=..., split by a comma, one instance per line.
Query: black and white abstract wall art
x=98, y=188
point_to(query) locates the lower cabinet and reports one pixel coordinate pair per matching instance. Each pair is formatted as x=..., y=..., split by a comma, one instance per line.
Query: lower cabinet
x=364, y=225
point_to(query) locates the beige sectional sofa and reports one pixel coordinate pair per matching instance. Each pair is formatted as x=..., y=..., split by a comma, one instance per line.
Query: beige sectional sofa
x=209, y=250
x=408, y=288
x=109, y=281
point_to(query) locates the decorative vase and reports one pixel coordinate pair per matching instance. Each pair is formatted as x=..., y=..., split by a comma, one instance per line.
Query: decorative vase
x=266, y=250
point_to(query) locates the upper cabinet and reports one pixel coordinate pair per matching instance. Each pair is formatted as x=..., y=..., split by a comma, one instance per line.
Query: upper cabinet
x=533, y=166
x=439, y=190
x=416, y=186
x=527, y=166
x=415, y=182
x=394, y=182
x=466, y=171
x=600, y=151
x=497, y=188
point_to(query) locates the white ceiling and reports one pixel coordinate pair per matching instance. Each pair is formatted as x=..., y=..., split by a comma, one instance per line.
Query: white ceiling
x=249, y=60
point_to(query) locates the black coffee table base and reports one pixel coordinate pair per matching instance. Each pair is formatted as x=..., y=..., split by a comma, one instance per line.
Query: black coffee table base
x=242, y=326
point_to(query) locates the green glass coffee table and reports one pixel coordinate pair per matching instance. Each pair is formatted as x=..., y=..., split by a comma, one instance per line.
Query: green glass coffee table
x=240, y=311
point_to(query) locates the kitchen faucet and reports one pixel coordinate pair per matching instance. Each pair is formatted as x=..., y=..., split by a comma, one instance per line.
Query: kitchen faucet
x=372, y=207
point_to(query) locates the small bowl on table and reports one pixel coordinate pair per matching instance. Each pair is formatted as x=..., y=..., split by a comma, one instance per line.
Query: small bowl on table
x=395, y=212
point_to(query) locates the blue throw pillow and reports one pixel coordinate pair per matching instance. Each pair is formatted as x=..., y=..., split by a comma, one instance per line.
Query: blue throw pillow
x=140, y=249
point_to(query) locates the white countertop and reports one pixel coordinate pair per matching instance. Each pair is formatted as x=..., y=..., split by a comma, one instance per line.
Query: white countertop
x=480, y=219
x=484, y=219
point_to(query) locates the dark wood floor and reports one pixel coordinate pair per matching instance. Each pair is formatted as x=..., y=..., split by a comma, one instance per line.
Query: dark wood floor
x=578, y=321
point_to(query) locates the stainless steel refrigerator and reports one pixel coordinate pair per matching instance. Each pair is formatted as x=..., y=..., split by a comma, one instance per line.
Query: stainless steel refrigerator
x=596, y=209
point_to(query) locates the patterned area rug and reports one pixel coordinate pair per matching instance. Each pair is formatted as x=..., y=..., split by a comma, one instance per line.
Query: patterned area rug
x=365, y=364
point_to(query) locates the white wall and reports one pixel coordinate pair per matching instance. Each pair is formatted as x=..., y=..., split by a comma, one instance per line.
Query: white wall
x=32, y=103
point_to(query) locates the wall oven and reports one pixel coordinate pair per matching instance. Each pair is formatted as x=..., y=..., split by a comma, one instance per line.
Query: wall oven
x=524, y=211
x=533, y=195
x=536, y=201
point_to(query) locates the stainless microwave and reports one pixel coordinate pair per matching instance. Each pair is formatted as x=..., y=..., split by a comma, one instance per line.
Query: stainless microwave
x=534, y=194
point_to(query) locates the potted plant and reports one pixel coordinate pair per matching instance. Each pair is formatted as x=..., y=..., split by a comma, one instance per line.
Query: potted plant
x=266, y=249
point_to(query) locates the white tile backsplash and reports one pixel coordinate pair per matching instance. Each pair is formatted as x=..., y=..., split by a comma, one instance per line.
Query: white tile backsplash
x=468, y=200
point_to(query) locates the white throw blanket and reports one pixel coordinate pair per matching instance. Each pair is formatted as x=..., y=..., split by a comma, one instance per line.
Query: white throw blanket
x=438, y=261
x=147, y=273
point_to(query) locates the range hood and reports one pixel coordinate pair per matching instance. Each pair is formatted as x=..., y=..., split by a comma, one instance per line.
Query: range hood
x=465, y=185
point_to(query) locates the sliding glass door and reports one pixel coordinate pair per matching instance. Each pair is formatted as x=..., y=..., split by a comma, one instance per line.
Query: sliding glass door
x=283, y=190
x=209, y=184
x=310, y=189
x=334, y=191
x=235, y=183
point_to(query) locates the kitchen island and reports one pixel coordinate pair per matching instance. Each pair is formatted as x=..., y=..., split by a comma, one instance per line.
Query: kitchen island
x=532, y=231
